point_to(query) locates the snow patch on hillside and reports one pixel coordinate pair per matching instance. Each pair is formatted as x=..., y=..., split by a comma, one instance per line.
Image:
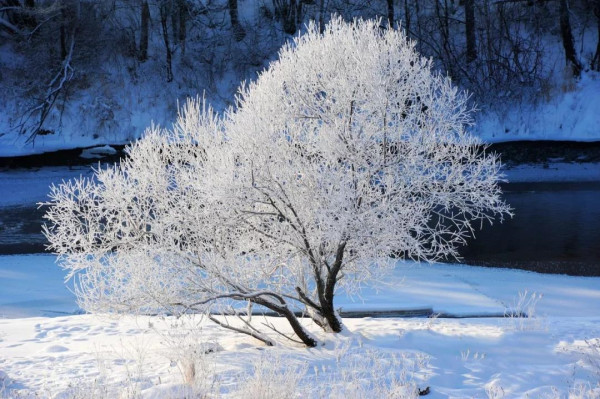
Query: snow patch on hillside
x=570, y=113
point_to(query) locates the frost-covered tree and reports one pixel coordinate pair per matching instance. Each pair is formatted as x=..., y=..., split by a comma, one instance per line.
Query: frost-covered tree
x=351, y=150
x=156, y=232
x=345, y=152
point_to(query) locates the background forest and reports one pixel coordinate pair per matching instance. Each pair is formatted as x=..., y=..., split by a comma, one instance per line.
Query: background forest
x=81, y=72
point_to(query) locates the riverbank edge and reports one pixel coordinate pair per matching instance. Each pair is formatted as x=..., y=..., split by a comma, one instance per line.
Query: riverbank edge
x=512, y=153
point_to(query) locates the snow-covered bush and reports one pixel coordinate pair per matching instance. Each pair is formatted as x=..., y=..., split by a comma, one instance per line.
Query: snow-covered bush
x=344, y=152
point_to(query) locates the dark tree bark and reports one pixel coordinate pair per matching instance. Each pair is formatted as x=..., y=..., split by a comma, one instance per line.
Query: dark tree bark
x=182, y=24
x=63, y=32
x=69, y=19
x=326, y=297
x=238, y=30
x=407, y=17
x=323, y=312
x=174, y=22
x=567, y=38
x=289, y=12
x=470, y=30
x=322, y=16
x=29, y=18
x=143, y=54
x=390, y=7
x=164, y=12
x=596, y=59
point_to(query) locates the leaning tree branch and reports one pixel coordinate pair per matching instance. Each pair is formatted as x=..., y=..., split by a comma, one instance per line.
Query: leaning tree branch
x=251, y=333
x=55, y=87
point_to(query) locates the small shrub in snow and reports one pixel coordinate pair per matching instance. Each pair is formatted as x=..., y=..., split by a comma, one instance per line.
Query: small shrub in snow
x=187, y=349
x=494, y=391
x=352, y=373
x=583, y=390
x=273, y=378
x=363, y=373
x=523, y=311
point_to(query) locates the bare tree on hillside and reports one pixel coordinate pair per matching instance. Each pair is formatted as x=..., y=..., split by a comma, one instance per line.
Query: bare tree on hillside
x=567, y=38
x=144, y=31
x=470, y=30
x=596, y=59
x=238, y=30
x=165, y=9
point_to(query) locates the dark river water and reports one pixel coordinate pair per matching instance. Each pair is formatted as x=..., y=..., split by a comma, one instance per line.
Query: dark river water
x=556, y=229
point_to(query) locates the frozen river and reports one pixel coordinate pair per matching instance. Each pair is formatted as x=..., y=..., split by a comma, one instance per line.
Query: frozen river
x=556, y=228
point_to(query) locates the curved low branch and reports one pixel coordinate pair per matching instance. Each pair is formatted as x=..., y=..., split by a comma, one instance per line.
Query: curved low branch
x=246, y=331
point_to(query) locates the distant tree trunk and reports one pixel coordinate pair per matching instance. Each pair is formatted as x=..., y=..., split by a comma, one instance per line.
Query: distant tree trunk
x=289, y=11
x=443, y=20
x=30, y=19
x=390, y=6
x=63, y=32
x=238, y=30
x=470, y=30
x=407, y=17
x=322, y=16
x=69, y=19
x=165, y=30
x=596, y=59
x=174, y=22
x=567, y=38
x=419, y=26
x=182, y=24
x=143, y=55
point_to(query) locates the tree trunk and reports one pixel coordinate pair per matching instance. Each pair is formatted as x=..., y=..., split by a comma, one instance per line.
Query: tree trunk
x=326, y=298
x=290, y=16
x=292, y=319
x=596, y=59
x=143, y=55
x=174, y=22
x=182, y=24
x=322, y=16
x=470, y=30
x=567, y=38
x=407, y=18
x=30, y=19
x=323, y=313
x=63, y=32
x=390, y=6
x=236, y=27
x=165, y=31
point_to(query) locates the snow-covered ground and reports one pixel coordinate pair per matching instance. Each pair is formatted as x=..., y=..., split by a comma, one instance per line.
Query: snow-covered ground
x=47, y=349
x=554, y=353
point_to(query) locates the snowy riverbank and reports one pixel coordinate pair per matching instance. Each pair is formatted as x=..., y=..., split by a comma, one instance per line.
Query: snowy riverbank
x=554, y=353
